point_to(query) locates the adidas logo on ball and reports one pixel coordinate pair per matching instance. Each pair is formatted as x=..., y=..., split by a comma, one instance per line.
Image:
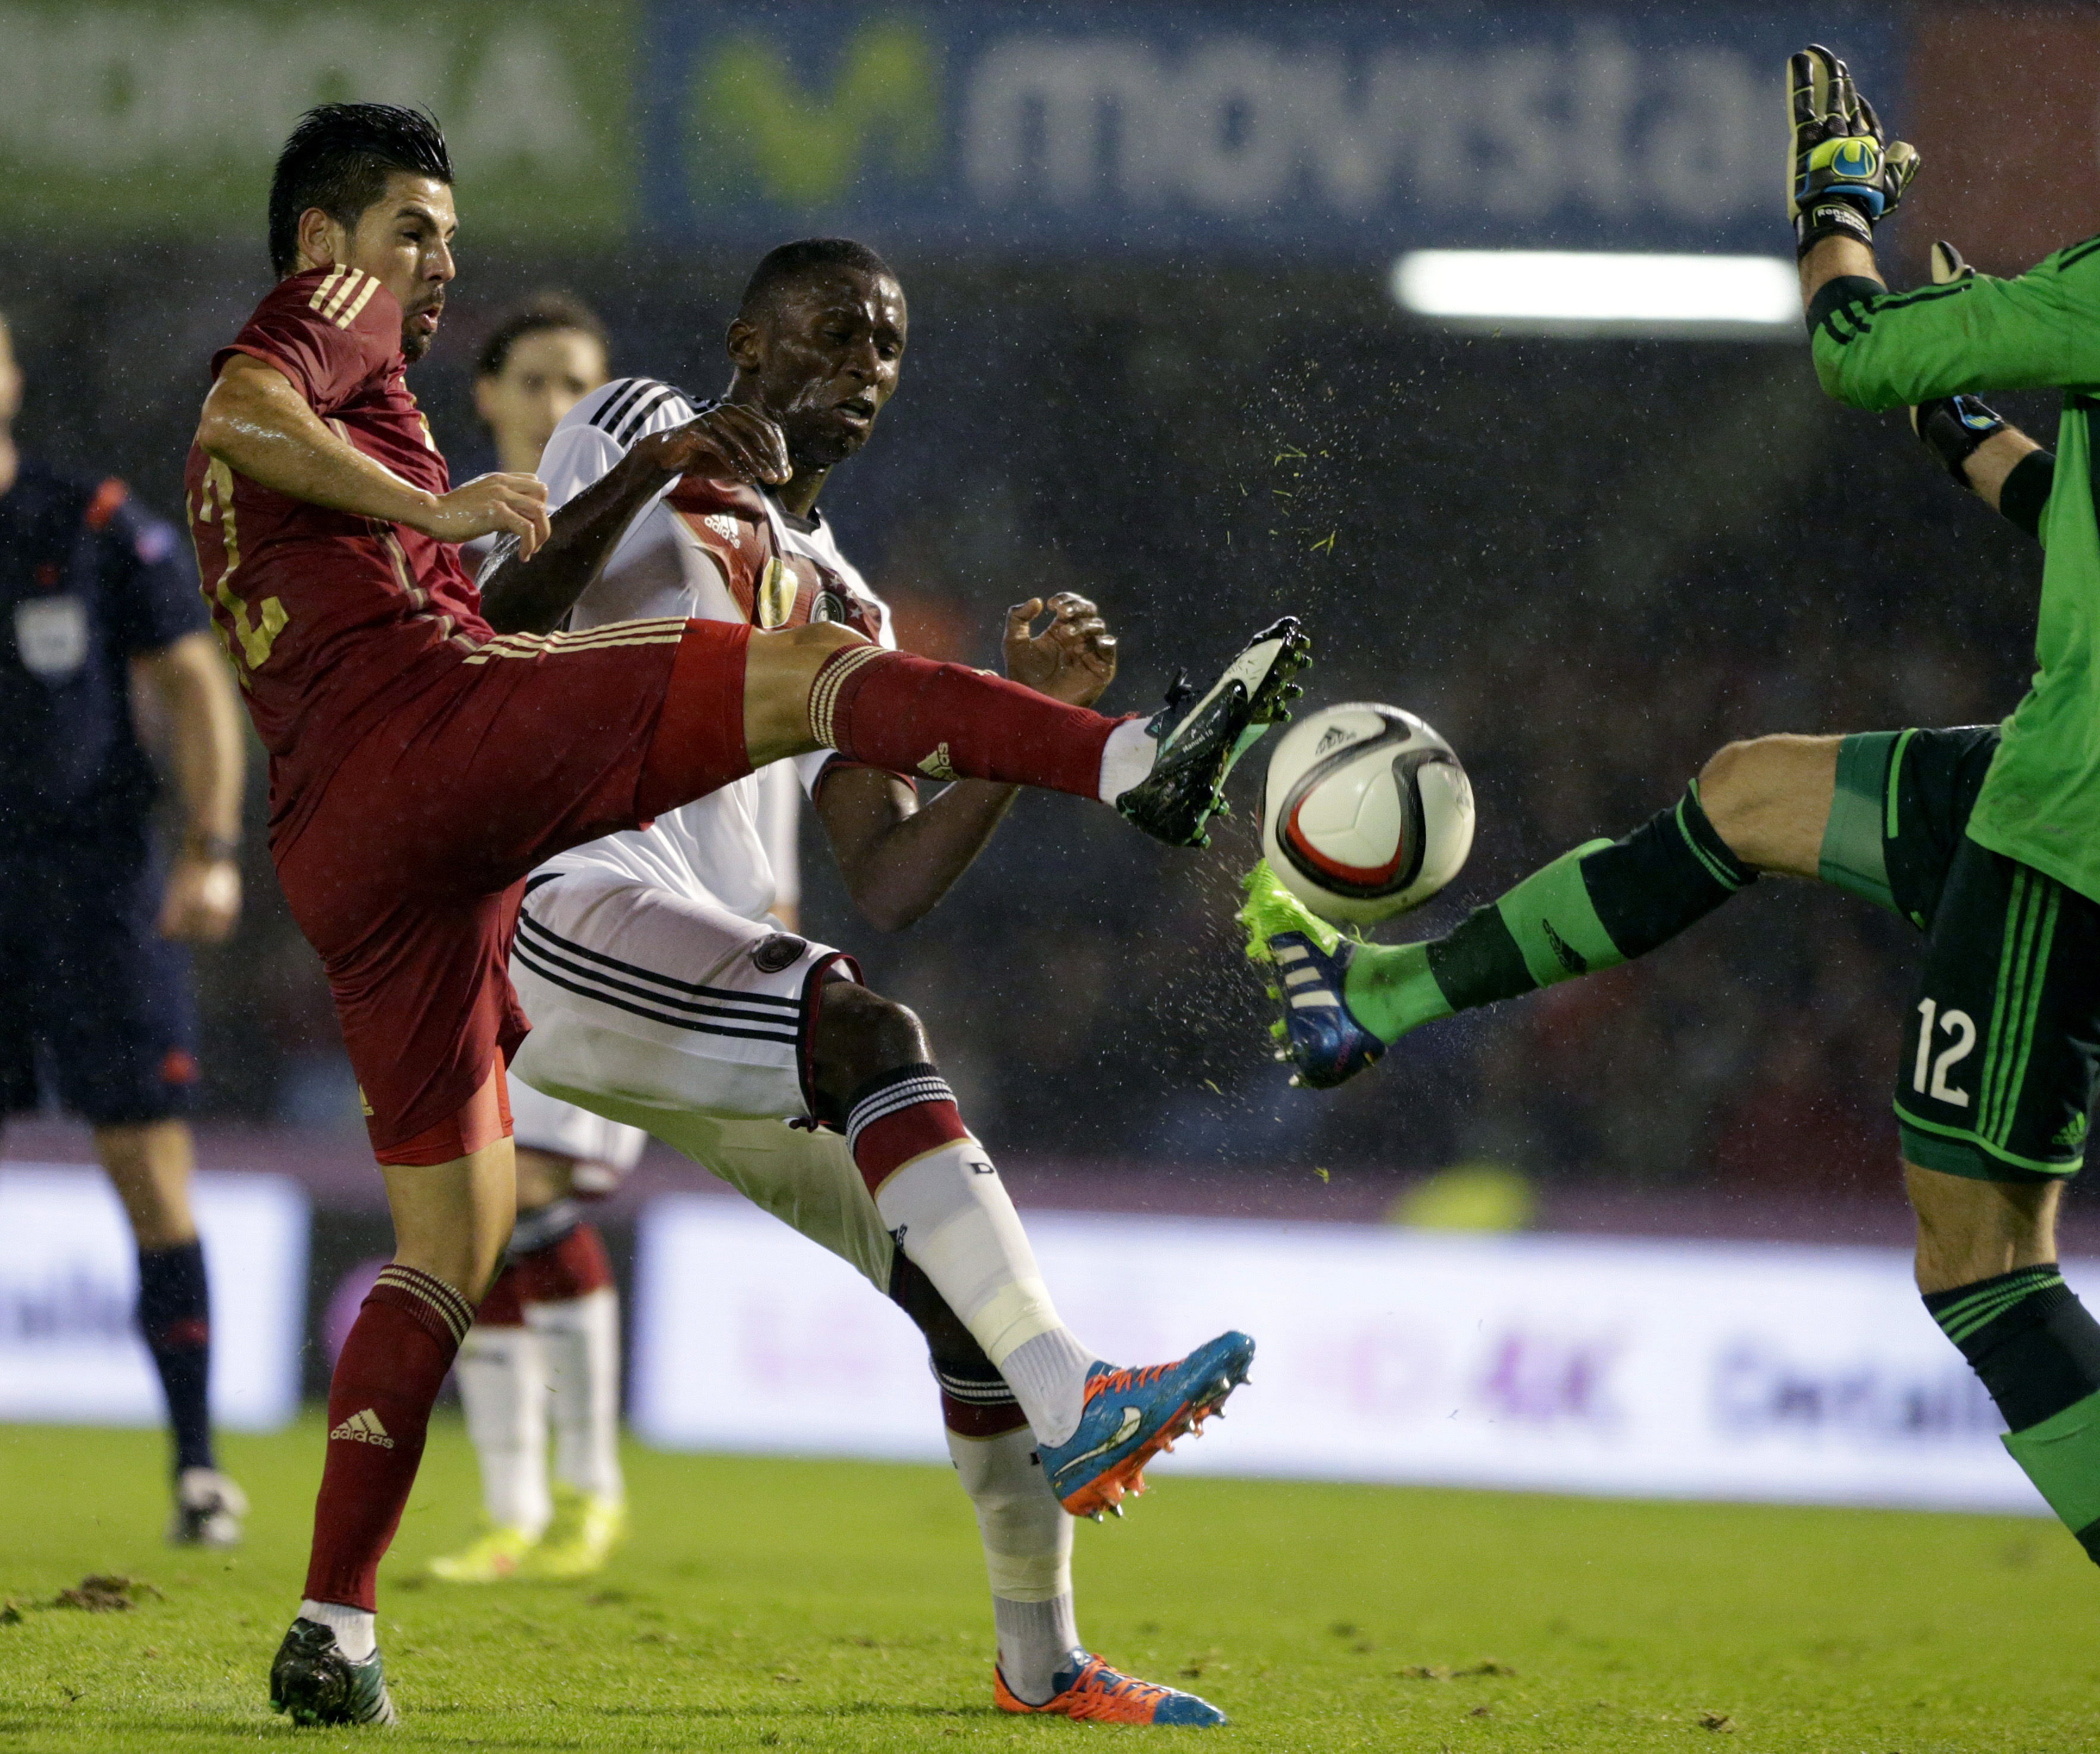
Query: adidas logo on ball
x=1366, y=812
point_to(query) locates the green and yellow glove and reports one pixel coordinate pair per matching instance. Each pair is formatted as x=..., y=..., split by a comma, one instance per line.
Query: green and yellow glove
x=1843, y=175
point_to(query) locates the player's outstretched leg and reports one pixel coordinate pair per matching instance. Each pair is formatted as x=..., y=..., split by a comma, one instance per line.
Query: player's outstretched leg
x=1343, y=1001
x=939, y=1195
x=1042, y=1666
x=573, y=1311
x=896, y=710
x=502, y=1374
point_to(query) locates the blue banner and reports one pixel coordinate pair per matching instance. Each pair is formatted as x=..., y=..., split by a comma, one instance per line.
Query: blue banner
x=1344, y=131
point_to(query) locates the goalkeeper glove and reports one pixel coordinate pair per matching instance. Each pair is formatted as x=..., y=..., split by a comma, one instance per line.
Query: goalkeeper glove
x=1843, y=175
x=1953, y=425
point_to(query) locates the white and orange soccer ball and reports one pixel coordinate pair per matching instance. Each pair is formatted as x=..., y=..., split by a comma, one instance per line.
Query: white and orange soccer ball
x=1366, y=812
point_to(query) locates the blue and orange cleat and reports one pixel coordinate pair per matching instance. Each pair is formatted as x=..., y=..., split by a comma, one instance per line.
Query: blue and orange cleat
x=1316, y=1032
x=1094, y=1693
x=1129, y=1416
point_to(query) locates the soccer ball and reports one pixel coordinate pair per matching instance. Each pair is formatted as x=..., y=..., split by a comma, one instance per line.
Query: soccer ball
x=1366, y=812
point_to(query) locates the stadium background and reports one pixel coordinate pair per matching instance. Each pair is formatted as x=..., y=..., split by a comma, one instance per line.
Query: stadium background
x=1162, y=365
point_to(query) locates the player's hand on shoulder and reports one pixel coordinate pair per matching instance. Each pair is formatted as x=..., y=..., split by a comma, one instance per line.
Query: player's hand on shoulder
x=492, y=505
x=1072, y=660
x=731, y=442
x=202, y=900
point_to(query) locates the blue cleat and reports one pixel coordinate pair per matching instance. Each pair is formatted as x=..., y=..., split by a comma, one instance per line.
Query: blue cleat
x=1317, y=1032
x=1130, y=1415
x=1093, y=1692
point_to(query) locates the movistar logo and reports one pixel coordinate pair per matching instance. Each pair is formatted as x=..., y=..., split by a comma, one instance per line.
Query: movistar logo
x=756, y=120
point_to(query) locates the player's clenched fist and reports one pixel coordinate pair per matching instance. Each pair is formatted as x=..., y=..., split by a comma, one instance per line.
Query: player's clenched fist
x=1843, y=175
x=492, y=505
x=731, y=443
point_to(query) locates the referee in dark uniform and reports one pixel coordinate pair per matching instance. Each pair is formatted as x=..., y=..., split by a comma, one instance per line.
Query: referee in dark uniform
x=98, y=598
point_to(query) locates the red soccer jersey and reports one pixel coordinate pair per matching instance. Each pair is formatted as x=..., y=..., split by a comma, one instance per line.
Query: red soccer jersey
x=333, y=621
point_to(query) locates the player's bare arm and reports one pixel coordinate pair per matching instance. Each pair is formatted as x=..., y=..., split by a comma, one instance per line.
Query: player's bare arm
x=897, y=859
x=257, y=423
x=531, y=592
x=206, y=751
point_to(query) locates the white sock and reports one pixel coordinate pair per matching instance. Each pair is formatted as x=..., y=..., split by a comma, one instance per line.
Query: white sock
x=582, y=1335
x=1028, y=1557
x=955, y=1223
x=503, y=1387
x=1048, y=1374
x=1127, y=758
x=356, y=1631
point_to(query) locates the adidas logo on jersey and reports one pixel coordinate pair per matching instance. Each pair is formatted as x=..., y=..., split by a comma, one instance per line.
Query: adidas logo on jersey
x=362, y=1427
x=726, y=527
x=938, y=766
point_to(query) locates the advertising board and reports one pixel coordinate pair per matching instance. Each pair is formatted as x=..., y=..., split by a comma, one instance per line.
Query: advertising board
x=69, y=1278
x=1641, y=1367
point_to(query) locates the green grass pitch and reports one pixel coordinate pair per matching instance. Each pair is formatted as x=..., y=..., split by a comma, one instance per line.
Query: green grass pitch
x=766, y=1604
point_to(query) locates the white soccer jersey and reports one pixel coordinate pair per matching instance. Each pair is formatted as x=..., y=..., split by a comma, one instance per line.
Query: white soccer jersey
x=735, y=845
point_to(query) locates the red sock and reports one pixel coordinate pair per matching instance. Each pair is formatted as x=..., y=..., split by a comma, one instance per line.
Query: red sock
x=392, y=1365
x=564, y=1270
x=897, y=710
x=902, y=1114
x=504, y=1306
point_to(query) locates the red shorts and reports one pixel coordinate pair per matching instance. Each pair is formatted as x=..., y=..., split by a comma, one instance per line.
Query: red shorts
x=405, y=874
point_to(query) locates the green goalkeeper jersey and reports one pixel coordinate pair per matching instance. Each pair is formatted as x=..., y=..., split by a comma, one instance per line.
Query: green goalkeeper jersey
x=2040, y=802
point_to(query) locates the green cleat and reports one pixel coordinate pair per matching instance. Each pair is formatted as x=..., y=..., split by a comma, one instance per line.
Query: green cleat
x=586, y=1528
x=314, y=1683
x=1316, y=1032
x=492, y=1557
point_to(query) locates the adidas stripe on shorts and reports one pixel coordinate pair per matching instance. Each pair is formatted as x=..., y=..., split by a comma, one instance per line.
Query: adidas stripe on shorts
x=2002, y=1036
x=671, y=1013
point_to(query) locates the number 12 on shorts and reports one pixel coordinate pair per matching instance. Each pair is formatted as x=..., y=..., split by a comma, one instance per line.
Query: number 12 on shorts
x=1961, y=1030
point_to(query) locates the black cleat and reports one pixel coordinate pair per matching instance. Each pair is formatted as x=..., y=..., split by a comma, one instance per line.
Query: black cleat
x=1198, y=744
x=315, y=1683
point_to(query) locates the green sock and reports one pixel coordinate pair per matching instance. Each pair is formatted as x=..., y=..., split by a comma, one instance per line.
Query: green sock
x=1603, y=903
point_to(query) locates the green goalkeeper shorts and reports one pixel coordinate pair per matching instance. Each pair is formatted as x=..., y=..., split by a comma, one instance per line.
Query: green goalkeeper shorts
x=2003, y=1034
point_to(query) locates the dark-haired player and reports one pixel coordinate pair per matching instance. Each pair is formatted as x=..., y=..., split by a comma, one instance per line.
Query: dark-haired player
x=545, y=1346
x=96, y=597
x=542, y=358
x=661, y=992
x=1985, y=837
x=420, y=764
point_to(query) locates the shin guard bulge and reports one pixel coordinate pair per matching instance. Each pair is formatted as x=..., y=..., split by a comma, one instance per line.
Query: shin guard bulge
x=392, y=1365
x=503, y=1389
x=175, y=1319
x=573, y=1311
x=2037, y=1350
x=907, y=713
x=940, y=1196
x=1028, y=1558
x=1603, y=903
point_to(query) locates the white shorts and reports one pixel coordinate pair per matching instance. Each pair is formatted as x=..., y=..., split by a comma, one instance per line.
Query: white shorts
x=674, y=1015
x=539, y=1123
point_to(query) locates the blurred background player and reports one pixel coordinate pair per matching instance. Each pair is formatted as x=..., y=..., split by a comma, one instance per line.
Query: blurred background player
x=96, y=1013
x=546, y=1338
x=661, y=990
